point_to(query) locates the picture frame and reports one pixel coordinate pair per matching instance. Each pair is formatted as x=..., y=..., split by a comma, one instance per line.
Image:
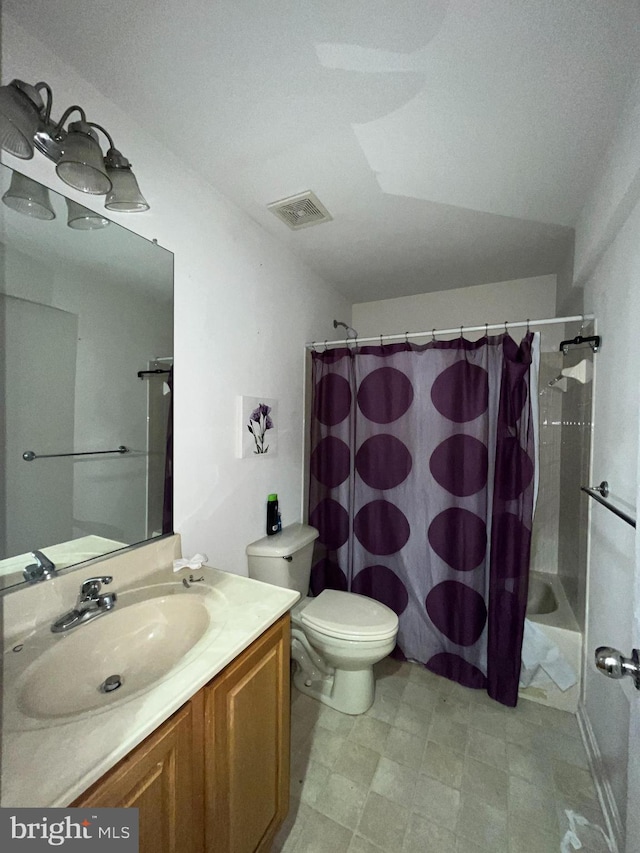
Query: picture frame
x=258, y=429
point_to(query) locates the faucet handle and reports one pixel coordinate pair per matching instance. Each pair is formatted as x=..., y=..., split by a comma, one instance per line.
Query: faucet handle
x=43, y=569
x=92, y=586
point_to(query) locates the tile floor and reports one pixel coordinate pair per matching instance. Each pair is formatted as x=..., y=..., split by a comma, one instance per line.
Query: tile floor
x=434, y=766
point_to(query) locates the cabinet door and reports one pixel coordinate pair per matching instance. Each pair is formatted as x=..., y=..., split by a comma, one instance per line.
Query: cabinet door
x=162, y=778
x=247, y=747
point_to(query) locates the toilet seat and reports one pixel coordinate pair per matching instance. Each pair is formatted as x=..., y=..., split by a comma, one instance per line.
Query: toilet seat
x=348, y=616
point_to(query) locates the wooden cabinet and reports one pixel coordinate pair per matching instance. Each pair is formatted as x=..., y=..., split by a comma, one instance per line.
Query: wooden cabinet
x=158, y=778
x=247, y=747
x=215, y=776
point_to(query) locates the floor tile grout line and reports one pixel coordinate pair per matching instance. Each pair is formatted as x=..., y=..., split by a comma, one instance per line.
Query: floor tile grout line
x=469, y=711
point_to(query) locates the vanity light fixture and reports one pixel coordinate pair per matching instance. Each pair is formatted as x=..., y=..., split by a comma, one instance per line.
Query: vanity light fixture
x=28, y=197
x=25, y=124
x=32, y=199
x=124, y=195
x=21, y=107
x=81, y=164
x=82, y=219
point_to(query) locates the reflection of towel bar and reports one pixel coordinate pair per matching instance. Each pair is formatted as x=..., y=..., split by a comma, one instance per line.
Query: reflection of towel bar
x=29, y=455
x=143, y=373
x=599, y=493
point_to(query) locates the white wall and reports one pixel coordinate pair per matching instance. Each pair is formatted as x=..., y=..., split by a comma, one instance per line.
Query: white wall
x=608, y=261
x=244, y=308
x=616, y=192
x=527, y=298
x=612, y=293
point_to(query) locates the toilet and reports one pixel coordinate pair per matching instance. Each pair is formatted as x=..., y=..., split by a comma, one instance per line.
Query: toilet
x=336, y=637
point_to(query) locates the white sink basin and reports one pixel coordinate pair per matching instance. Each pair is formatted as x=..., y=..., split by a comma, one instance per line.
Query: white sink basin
x=136, y=645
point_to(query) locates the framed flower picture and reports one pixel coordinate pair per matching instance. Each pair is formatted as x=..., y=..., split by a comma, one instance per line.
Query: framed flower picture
x=258, y=427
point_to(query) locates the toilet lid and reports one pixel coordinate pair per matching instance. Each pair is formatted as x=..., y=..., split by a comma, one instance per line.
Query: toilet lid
x=349, y=616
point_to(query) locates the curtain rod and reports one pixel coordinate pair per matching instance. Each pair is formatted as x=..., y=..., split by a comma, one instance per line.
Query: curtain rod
x=486, y=327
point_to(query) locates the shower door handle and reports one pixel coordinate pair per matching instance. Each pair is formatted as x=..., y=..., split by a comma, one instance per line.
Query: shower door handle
x=614, y=664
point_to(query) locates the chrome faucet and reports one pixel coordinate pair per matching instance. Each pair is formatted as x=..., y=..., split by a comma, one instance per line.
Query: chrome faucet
x=91, y=604
x=42, y=570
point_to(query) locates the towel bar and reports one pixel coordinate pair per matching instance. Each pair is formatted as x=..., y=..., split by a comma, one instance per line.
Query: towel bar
x=29, y=455
x=600, y=493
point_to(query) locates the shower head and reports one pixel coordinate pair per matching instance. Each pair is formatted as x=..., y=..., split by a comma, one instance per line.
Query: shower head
x=351, y=333
x=582, y=372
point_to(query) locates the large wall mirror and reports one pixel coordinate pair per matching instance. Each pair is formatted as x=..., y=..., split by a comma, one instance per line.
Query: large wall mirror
x=86, y=349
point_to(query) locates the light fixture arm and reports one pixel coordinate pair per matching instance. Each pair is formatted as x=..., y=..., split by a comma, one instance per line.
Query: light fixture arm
x=65, y=116
x=113, y=158
x=106, y=132
x=47, y=110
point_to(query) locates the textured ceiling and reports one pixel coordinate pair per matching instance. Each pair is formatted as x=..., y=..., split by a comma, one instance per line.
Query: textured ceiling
x=453, y=141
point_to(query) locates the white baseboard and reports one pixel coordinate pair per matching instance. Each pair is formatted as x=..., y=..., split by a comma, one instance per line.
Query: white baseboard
x=614, y=827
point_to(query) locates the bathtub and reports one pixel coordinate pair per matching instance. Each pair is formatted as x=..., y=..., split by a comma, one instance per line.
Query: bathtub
x=548, y=608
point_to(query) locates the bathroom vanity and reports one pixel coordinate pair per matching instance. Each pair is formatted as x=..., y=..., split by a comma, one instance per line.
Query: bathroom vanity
x=215, y=776
x=201, y=747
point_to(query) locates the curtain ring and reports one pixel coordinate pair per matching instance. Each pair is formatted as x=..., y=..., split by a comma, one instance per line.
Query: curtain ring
x=406, y=338
x=486, y=330
x=313, y=346
x=325, y=346
x=433, y=335
x=506, y=331
x=461, y=328
x=381, y=339
x=581, y=322
x=528, y=325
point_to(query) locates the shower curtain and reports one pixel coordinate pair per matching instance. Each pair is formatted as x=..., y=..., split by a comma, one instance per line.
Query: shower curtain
x=422, y=489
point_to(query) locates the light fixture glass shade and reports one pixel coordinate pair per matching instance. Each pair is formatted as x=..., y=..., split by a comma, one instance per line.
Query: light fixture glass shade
x=82, y=219
x=19, y=118
x=81, y=165
x=125, y=195
x=28, y=197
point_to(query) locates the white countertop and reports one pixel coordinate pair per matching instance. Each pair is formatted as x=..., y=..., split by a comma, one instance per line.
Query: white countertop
x=50, y=763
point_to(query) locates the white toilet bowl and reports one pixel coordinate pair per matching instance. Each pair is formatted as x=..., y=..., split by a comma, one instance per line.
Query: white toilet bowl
x=348, y=633
x=337, y=636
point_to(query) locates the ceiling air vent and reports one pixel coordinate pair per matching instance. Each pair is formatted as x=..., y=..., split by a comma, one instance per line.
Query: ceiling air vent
x=300, y=211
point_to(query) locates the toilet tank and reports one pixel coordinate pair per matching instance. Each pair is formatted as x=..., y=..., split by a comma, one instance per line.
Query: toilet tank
x=284, y=559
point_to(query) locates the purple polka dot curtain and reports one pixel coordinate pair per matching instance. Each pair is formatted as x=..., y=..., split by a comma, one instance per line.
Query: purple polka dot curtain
x=422, y=488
